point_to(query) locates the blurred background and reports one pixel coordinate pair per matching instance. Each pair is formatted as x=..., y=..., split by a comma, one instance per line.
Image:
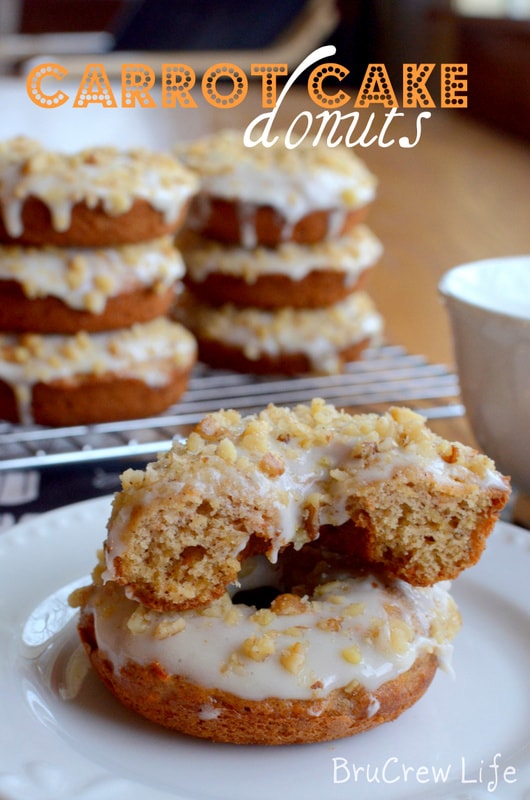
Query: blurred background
x=491, y=36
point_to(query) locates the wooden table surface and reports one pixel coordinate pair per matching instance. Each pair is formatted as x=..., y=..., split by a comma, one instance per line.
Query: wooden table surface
x=460, y=195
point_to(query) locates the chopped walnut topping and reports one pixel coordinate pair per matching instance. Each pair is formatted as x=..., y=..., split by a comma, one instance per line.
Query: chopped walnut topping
x=330, y=589
x=234, y=664
x=450, y=456
x=374, y=630
x=353, y=609
x=401, y=635
x=293, y=658
x=195, y=443
x=352, y=654
x=330, y=624
x=210, y=429
x=19, y=355
x=335, y=599
x=167, y=628
x=244, y=464
x=219, y=608
x=446, y=625
x=233, y=616
x=258, y=648
x=272, y=465
x=139, y=621
x=256, y=436
x=289, y=604
x=295, y=630
x=226, y=449
x=104, y=283
x=263, y=617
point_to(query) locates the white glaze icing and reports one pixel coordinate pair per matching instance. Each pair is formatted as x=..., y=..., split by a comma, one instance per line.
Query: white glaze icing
x=84, y=278
x=319, y=334
x=350, y=254
x=348, y=620
x=146, y=351
x=98, y=175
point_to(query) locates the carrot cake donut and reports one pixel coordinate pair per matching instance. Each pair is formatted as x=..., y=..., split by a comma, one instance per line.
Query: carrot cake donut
x=352, y=652
x=286, y=340
x=283, y=578
x=383, y=489
x=98, y=197
x=64, y=290
x=86, y=378
x=265, y=196
x=296, y=275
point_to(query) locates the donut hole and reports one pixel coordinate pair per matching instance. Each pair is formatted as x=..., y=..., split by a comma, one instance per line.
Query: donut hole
x=259, y=596
x=293, y=577
x=258, y=583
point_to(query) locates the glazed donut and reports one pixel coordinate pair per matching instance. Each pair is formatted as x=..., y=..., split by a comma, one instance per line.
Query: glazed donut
x=85, y=378
x=287, y=340
x=299, y=276
x=382, y=489
x=265, y=196
x=346, y=654
x=65, y=290
x=98, y=197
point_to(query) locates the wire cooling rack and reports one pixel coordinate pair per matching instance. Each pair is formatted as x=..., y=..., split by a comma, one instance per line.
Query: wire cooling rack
x=385, y=376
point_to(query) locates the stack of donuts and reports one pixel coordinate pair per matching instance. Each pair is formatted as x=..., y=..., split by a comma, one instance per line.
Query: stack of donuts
x=276, y=254
x=284, y=577
x=88, y=274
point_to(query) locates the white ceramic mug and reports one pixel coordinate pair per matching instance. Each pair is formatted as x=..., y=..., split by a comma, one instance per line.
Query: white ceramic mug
x=489, y=309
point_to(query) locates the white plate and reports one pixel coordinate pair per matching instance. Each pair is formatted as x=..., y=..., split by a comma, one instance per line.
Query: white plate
x=90, y=748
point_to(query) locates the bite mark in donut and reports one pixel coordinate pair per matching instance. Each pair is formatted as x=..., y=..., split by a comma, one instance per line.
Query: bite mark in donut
x=402, y=496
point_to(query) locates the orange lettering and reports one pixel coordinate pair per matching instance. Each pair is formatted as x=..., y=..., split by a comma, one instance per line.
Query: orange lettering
x=414, y=89
x=376, y=88
x=454, y=86
x=269, y=74
x=136, y=80
x=177, y=81
x=94, y=88
x=34, y=85
x=316, y=89
x=235, y=75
